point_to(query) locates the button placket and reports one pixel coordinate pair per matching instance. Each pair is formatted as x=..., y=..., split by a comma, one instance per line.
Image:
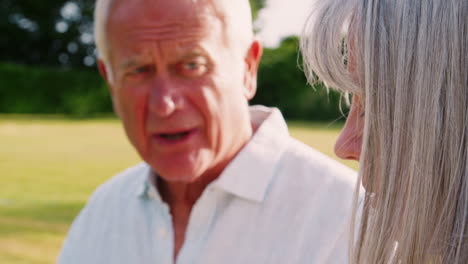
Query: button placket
x=200, y=221
x=163, y=231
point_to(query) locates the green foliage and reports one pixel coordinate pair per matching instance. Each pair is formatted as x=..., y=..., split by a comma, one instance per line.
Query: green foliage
x=256, y=5
x=282, y=83
x=51, y=32
x=82, y=93
x=77, y=93
x=32, y=36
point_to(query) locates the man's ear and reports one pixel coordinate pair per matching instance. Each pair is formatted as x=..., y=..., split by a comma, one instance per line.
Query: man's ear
x=104, y=71
x=252, y=61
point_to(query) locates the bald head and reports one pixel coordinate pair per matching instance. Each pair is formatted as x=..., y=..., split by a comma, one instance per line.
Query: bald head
x=235, y=18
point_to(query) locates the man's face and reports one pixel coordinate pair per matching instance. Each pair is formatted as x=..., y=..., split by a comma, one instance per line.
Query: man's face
x=179, y=89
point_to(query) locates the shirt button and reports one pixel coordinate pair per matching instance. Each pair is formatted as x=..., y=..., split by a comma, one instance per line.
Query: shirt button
x=152, y=194
x=163, y=232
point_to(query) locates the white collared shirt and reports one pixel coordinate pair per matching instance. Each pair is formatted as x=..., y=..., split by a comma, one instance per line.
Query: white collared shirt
x=278, y=201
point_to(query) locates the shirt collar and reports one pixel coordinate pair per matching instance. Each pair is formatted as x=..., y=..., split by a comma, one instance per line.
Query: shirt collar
x=249, y=174
x=145, y=186
x=143, y=182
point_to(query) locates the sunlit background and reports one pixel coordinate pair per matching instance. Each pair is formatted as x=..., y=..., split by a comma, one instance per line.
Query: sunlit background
x=58, y=137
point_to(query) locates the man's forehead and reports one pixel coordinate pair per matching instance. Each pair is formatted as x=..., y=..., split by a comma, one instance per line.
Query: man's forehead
x=163, y=10
x=183, y=21
x=174, y=19
x=180, y=35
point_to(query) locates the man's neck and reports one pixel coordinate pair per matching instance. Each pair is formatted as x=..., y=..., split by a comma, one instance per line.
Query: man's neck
x=181, y=198
x=182, y=193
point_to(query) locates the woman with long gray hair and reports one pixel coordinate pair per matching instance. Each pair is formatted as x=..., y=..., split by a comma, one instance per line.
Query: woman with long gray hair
x=405, y=62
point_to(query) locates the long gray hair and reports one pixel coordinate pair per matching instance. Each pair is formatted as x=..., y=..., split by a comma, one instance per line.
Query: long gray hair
x=409, y=62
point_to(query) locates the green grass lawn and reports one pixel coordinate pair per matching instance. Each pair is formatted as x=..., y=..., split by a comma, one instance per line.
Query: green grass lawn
x=50, y=166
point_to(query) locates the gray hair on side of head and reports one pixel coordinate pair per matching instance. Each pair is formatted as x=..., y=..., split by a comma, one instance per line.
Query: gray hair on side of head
x=409, y=60
x=101, y=12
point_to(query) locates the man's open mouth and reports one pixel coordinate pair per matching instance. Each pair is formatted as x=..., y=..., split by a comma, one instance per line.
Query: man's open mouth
x=175, y=136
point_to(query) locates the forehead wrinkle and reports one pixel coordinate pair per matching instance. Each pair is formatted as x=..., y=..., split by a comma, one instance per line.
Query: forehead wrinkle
x=172, y=30
x=151, y=36
x=139, y=57
x=146, y=43
x=170, y=25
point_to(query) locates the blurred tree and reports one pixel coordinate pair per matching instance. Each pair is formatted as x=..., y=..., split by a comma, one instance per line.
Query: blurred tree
x=256, y=6
x=52, y=32
x=59, y=32
x=282, y=83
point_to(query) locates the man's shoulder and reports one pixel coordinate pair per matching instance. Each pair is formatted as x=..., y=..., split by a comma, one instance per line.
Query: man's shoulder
x=307, y=174
x=115, y=193
x=309, y=162
x=316, y=190
x=105, y=213
x=124, y=183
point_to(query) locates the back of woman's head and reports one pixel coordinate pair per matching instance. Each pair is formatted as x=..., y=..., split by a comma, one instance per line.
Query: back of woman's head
x=408, y=60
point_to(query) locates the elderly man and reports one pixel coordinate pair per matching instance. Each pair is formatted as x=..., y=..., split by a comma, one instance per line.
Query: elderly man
x=221, y=182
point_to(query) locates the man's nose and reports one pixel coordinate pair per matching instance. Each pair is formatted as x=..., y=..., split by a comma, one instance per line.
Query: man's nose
x=163, y=99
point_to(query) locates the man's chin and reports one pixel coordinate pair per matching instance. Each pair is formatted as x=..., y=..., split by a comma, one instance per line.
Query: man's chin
x=176, y=173
x=182, y=167
x=178, y=177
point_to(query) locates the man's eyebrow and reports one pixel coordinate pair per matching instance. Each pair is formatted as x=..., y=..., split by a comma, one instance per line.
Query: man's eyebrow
x=194, y=54
x=194, y=51
x=127, y=64
x=130, y=62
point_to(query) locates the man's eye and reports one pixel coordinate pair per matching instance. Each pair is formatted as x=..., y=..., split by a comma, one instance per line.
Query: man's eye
x=142, y=69
x=139, y=73
x=193, y=68
x=191, y=65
